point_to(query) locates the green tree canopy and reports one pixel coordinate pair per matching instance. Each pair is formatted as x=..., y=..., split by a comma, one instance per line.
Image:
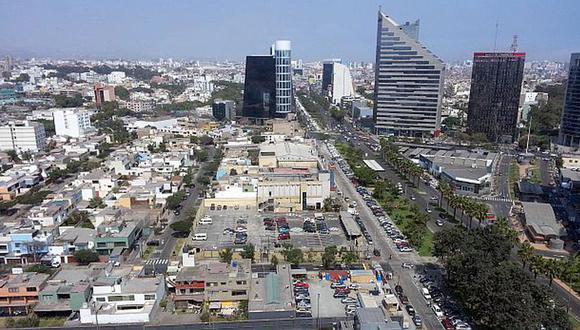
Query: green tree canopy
x=85, y=257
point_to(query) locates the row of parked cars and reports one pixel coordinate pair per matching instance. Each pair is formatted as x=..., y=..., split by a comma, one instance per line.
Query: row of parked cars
x=410, y=310
x=280, y=224
x=444, y=306
x=302, y=298
x=340, y=161
x=391, y=230
x=342, y=291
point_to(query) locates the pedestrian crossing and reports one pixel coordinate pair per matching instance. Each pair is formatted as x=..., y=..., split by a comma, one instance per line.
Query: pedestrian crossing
x=495, y=199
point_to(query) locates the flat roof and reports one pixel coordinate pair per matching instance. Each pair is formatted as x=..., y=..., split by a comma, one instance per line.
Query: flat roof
x=467, y=174
x=373, y=165
x=351, y=227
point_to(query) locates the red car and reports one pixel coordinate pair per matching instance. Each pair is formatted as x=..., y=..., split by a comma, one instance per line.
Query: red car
x=342, y=290
x=283, y=236
x=302, y=284
x=281, y=220
x=447, y=324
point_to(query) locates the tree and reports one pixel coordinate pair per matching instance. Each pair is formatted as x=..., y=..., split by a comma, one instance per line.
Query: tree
x=205, y=140
x=96, y=203
x=201, y=155
x=248, y=252
x=525, y=252
x=174, y=201
x=257, y=139
x=85, y=257
x=494, y=291
x=226, y=255
x=274, y=260
x=451, y=122
x=294, y=256
x=233, y=172
x=337, y=113
x=63, y=101
x=40, y=268
x=13, y=155
x=183, y=227
x=350, y=257
x=122, y=93
x=23, y=77
x=329, y=256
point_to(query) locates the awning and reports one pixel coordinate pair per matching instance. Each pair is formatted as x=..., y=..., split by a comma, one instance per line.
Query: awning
x=230, y=304
x=214, y=305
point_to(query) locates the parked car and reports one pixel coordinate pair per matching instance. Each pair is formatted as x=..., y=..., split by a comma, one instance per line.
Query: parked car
x=283, y=236
x=437, y=310
x=302, y=284
x=417, y=320
x=340, y=295
x=407, y=265
x=348, y=300
x=410, y=310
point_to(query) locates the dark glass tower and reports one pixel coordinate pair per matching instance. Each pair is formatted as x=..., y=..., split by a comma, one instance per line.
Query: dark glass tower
x=260, y=87
x=327, y=69
x=570, y=125
x=496, y=83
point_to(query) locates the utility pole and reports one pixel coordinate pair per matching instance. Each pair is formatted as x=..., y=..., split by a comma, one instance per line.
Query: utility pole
x=496, y=31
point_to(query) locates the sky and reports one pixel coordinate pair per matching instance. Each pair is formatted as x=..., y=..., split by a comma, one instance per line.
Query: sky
x=318, y=29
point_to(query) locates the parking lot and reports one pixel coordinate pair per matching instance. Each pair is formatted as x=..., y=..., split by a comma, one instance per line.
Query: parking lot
x=225, y=224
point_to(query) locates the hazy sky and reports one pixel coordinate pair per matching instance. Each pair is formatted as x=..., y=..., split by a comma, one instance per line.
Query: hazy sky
x=220, y=29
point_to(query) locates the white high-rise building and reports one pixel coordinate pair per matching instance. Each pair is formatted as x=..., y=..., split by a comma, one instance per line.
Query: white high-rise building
x=22, y=136
x=281, y=50
x=116, y=77
x=336, y=80
x=72, y=122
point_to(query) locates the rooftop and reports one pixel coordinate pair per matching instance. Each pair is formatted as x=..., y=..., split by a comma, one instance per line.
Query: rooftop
x=541, y=217
x=25, y=279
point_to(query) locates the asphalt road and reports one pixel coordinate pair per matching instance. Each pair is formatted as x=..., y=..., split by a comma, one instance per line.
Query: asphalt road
x=404, y=277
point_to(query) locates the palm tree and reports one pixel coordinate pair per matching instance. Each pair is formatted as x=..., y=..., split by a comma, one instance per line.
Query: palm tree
x=226, y=255
x=525, y=252
x=552, y=269
x=536, y=265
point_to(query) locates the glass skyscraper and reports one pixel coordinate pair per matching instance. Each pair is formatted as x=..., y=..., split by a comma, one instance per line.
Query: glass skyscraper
x=259, y=87
x=570, y=125
x=496, y=83
x=408, y=82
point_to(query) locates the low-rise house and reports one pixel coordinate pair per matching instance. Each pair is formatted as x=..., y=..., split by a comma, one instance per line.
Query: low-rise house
x=72, y=240
x=19, y=292
x=51, y=213
x=271, y=295
x=123, y=299
x=67, y=291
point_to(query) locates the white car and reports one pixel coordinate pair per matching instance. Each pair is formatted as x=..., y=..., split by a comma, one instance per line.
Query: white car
x=438, y=312
x=428, y=210
x=405, y=249
x=348, y=300
x=407, y=265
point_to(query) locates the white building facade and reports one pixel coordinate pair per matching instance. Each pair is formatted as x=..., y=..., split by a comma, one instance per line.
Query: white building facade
x=22, y=136
x=72, y=123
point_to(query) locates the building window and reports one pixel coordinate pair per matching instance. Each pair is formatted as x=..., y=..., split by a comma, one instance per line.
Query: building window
x=241, y=282
x=122, y=298
x=223, y=283
x=30, y=289
x=101, y=299
x=239, y=293
x=149, y=297
x=12, y=289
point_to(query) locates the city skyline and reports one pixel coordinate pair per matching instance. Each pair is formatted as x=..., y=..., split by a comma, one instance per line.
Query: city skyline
x=208, y=31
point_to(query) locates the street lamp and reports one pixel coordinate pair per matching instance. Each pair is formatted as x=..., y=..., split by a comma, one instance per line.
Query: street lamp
x=97, y=313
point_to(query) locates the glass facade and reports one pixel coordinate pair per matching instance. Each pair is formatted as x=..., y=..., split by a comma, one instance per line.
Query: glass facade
x=283, y=80
x=496, y=82
x=570, y=125
x=327, y=69
x=259, y=87
x=408, y=83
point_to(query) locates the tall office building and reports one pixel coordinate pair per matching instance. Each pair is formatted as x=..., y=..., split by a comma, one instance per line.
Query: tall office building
x=496, y=83
x=259, y=87
x=223, y=109
x=570, y=125
x=336, y=80
x=281, y=50
x=408, y=83
x=268, y=89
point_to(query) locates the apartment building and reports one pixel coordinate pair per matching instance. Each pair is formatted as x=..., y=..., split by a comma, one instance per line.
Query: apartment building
x=22, y=136
x=213, y=282
x=72, y=122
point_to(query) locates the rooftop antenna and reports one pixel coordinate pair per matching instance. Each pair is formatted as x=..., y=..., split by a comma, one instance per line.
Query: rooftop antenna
x=515, y=43
x=495, y=38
